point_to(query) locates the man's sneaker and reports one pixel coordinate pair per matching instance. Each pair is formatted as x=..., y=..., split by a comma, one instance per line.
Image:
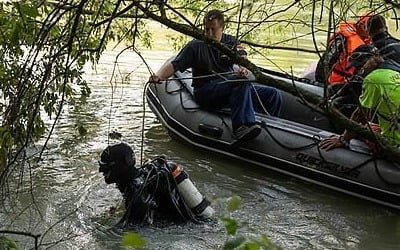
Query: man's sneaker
x=245, y=133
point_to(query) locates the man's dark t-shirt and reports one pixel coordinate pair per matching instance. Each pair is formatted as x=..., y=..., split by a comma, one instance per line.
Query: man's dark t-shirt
x=204, y=59
x=388, y=46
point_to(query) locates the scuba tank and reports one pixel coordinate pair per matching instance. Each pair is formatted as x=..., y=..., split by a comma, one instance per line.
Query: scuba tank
x=191, y=196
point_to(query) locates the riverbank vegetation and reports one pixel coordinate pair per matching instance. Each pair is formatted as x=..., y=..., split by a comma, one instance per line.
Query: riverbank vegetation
x=45, y=45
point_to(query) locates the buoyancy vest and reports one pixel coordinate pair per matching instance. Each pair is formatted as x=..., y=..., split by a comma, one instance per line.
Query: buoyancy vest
x=351, y=40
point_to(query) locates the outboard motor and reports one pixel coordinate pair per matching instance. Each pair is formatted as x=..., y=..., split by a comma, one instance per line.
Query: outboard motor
x=158, y=189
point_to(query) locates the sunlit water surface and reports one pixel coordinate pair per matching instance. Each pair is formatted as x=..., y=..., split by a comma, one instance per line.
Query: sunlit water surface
x=75, y=203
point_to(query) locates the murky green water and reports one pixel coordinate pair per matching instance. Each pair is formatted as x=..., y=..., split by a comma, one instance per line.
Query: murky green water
x=71, y=195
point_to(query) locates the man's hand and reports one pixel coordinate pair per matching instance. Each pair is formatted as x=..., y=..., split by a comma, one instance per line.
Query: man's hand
x=154, y=78
x=332, y=142
x=241, y=72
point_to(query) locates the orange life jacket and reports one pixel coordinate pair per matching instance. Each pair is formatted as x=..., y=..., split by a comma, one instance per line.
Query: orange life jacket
x=339, y=73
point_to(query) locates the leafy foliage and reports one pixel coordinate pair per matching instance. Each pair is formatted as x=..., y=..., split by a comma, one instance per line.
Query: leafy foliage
x=134, y=240
x=236, y=241
x=7, y=244
x=44, y=46
x=231, y=225
x=234, y=203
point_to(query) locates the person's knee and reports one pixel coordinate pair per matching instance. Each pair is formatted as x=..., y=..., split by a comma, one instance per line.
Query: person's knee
x=278, y=95
x=275, y=96
x=278, y=102
x=275, y=101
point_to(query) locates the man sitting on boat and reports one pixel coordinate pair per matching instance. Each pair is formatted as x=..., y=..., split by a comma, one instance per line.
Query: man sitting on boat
x=380, y=94
x=216, y=85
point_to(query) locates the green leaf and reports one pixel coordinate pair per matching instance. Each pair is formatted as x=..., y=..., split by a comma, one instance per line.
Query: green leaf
x=234, y=203
x=265, y=240
x=234, y=243
x=15, y=33
x=251, y=246
x=8, y=244
x=231, y=225
x=265, y=243
x=130, y=239
x=29, y=10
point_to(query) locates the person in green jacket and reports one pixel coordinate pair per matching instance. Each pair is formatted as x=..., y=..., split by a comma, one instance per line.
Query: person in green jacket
x=380, y=97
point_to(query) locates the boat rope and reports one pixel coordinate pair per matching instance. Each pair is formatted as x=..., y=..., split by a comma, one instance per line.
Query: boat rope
x=144, y=101
x=316, y=142
x=201, y=77
x=378, y=172
x=265, y=127
x=180, y=91
x=290, y=77
x=259, y=99
x=113, y=87
x=146, y=85
x=373, y=159
x=348, y=170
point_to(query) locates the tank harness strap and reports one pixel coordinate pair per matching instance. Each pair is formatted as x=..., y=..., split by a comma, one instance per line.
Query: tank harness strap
x=201, y=207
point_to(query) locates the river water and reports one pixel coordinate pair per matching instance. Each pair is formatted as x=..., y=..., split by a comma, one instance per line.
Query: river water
x=73, y=206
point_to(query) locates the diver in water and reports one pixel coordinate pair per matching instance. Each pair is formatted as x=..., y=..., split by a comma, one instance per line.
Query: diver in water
x=157, y=191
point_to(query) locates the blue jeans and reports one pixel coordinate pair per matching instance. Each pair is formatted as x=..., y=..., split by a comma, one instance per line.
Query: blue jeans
x=240, y=97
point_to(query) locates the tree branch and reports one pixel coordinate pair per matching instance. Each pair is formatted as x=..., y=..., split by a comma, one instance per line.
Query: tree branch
x=277, y=47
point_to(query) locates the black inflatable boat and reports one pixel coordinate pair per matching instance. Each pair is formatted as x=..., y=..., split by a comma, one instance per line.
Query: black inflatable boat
x=288, y=144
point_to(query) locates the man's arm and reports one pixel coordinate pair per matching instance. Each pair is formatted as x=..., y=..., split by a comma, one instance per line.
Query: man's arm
x=163, y=73
x=241, y=71
x=359, y=115
x=182, y=61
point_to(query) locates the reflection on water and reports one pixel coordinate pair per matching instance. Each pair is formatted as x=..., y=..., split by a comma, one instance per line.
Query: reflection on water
x=69, y=190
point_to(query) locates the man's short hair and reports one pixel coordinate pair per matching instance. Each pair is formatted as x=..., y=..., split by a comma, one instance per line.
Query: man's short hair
x=215, y=15
x=375, y=24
